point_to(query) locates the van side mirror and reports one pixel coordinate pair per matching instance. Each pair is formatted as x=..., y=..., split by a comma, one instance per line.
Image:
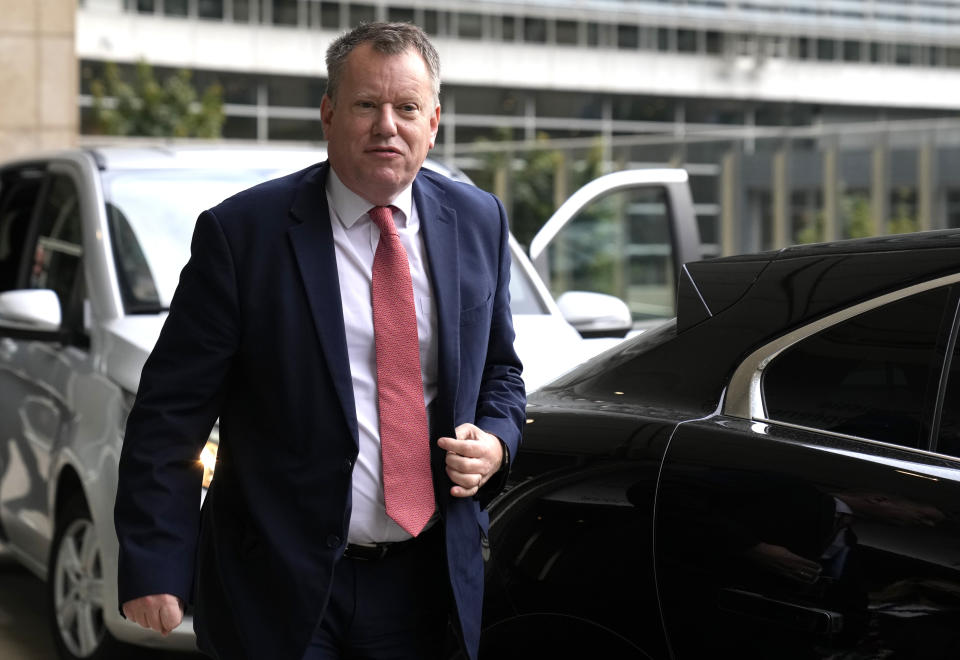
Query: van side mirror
x=32, y=310
x=595, y=314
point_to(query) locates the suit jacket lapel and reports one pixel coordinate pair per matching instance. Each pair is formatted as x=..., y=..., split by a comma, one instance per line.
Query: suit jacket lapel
x=439, y=225
x=313, y=246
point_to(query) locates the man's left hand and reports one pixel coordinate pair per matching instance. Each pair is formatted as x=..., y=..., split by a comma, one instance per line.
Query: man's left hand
x=472, y=458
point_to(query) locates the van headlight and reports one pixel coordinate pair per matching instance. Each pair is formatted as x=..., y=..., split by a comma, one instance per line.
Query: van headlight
x=208, y=456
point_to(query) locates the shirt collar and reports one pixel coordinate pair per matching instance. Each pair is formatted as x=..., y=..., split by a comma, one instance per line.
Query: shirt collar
x=350, y=207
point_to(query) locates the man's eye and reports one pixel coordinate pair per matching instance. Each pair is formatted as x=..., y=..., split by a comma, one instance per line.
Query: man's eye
x=365, y=104
x=408, y=107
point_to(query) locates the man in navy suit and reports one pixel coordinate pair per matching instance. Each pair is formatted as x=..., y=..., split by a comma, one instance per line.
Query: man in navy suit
x=295, y=553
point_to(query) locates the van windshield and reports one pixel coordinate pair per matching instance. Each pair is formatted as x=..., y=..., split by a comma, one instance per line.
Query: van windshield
x=151, y=215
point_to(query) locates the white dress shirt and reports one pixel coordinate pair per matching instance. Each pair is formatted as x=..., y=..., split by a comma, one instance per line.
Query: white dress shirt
x=355, y=238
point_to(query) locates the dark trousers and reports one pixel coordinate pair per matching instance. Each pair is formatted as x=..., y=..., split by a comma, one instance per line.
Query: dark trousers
x=394, y=608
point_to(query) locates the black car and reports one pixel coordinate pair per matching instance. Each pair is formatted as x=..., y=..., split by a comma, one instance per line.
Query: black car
x=773, y=474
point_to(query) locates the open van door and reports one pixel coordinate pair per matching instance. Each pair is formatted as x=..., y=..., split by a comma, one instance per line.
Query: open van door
x=625, y=234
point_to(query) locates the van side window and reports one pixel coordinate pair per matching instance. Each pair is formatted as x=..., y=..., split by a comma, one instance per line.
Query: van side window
x=19, y=190
x=56, y=255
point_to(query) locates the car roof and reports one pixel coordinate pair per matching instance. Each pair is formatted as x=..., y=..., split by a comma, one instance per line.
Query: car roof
x=113, y=158
x=827, y=275
x=225, y=157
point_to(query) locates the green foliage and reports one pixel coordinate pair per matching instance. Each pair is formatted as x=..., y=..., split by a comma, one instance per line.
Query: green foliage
x=903, y=217
x=856, y=216
x=531, y=179
x=147, y=107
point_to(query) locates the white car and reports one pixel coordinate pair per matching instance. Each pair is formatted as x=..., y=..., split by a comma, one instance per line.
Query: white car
x=91, y=245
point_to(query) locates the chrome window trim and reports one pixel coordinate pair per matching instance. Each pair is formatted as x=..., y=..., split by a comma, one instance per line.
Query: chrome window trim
x=856, y=438
x=744, y=395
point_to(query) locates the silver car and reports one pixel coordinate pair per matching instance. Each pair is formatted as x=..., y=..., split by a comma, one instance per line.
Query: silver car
x=91, y=245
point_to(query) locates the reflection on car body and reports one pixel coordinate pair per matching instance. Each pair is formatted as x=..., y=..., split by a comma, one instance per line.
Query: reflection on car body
x=774, y=474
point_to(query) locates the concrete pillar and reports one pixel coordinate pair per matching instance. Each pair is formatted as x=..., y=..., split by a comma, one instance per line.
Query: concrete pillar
x=831, y=196
x=729, y=186
x=781, y=199
x=926, y=185
x=880, y=188
x=560, y=192
x=38, y=76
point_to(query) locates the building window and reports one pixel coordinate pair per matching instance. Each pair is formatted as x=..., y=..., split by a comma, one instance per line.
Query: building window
x=284, y=12
x=400, y=15
x=825, y=50
x=714, y=42
x=508, y=28
x=877, y=53
x=362, y=14
x=142, y=6
x=330, y=15
x=952, y=56
x=469, y=25
x=295, y=92
x=663, y=39
x=953, y=208
x=567, y=33
x=535, y=30
x=851, y=51
x=210, y=9
x=686, y=41
x=486, y=101
x=240, y=128
x=431, y=21
x=309, y=130
x=241, y=11
x=593, y=34
x=903, y=54
x=628, y=36
x=175, y=7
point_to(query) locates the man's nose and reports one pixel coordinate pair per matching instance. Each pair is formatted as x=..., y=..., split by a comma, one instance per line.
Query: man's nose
x=386, y=122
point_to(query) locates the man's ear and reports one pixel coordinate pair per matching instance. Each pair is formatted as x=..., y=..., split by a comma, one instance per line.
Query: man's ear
x=326, y=113
x=434, y=125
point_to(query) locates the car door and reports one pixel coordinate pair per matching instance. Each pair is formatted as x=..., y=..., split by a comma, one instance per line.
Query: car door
x=39, y=372
x=819, y=515
x=626, y=234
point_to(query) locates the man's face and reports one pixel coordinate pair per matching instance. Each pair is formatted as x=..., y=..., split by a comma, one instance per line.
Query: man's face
x=382, y=124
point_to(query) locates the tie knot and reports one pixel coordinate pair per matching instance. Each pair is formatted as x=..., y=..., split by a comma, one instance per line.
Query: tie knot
x=383, y=217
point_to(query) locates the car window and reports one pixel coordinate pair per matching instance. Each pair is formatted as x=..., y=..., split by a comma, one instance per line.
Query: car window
x=58, y=248
x=870, y=376
x=618, y=244
x=19, y=190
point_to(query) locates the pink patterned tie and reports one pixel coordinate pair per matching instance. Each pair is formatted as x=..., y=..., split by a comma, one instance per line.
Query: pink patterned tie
x=404, y=436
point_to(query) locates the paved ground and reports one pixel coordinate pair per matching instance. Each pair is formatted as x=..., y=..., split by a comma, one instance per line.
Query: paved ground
x=24, y=631
x=24, y=634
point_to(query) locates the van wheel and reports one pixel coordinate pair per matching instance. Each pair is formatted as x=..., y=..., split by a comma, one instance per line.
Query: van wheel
x=76, y=588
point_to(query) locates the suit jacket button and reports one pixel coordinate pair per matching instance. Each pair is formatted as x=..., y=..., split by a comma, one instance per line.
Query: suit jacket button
x=333, y=541
x=347, y=465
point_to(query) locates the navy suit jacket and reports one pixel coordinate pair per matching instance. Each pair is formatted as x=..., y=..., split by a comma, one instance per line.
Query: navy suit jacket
x=255, y=337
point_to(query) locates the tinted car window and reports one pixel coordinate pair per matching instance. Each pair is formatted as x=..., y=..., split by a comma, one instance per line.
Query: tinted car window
x=869, y=376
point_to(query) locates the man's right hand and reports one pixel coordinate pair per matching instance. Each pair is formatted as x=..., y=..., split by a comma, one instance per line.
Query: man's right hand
x=160, y=612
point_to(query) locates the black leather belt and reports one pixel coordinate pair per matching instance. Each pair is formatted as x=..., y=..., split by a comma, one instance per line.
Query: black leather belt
x=377, y=551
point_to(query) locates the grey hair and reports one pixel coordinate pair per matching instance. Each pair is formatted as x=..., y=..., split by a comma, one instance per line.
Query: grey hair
x=387, y=39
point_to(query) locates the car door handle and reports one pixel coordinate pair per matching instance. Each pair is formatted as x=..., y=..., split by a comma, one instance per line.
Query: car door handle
x=791, y=615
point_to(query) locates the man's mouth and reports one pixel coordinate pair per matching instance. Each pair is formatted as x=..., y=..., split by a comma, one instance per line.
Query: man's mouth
x=383, y=150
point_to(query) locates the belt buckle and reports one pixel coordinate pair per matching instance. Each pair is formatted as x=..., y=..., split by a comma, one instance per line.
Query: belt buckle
x=366, y=551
